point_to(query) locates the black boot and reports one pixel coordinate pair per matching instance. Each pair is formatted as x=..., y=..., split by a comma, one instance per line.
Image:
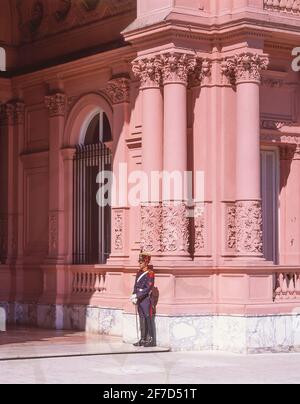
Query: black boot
x=142, y=341
x=150, y=343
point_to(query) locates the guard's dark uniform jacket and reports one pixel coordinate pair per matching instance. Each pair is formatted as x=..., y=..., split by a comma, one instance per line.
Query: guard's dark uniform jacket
x=143, y=287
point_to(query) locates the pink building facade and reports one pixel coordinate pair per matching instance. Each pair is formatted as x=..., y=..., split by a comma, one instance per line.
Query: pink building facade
x=168, y=85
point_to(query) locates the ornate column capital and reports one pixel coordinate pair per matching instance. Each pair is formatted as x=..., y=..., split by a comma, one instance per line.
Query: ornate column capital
x=7, y=114
x=19, y=113
x=149, y=71
x=118, y=90
x=246, y=67
x=56, y=103
x=176, y=67
x=201, y=74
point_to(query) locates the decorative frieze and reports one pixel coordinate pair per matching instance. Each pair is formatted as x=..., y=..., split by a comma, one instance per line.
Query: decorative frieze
x=275, y=124
x=118, y=90
x=175, y=233
x=56, y=103
x=283, y=6
x=151, y=228
x=249, y=222
x=246, y=67
x=281, y=139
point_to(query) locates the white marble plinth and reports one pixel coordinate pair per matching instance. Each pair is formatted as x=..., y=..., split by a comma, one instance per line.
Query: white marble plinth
x=239, y=334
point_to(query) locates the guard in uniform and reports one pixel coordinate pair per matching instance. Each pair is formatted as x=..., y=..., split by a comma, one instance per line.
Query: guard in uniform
x=142, y=297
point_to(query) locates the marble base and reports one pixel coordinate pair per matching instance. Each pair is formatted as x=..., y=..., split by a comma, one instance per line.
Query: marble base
x=238, y=334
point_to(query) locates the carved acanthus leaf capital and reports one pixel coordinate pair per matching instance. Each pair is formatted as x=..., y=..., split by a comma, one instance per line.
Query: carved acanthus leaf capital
x=56, y=103
x=118, y=90
x=246, y=67
x=177, y=67
x=149, y=71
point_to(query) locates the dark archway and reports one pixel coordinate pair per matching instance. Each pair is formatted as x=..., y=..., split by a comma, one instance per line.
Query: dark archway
x=91, y=222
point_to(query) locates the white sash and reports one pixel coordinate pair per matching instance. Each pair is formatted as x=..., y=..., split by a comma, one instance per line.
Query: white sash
x=142, y=276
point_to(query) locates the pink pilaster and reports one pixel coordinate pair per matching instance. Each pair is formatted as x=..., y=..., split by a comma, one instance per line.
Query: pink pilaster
x=118, y=90
x=56, y=104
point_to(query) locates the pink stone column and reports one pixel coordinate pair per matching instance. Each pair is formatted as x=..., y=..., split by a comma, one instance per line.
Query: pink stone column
x=118, y=90
x=175, y=235
x=246, y=70
x=148, y=70
x=56, y=104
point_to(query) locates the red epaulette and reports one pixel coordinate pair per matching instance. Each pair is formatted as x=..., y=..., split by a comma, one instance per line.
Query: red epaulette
x=151, y=274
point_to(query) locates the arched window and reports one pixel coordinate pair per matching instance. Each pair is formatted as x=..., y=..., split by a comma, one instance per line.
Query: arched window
x=92, y=223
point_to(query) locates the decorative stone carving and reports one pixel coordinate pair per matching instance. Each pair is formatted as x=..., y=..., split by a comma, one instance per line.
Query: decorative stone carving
x=201, y=73
x=149, y=71
x=19, y=113
x=151, y=218
x=281, y=139
x=199, y=220
x=37, y=15
x=231, y=227
x=246, y=67
x=63, y=10
x=249, y=235
x=284, y=6
x=66, y=15
x=175, y=233
x=53, y=232
x=118, y=229
x=275, y=125
x=7, y=114
x=12, y=113
x=177, y=67
x=90, y=5
x=118, y=90
x=272, y=82
x=56, y=103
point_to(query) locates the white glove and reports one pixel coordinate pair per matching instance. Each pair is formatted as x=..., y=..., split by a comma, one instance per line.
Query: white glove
x=134, y=299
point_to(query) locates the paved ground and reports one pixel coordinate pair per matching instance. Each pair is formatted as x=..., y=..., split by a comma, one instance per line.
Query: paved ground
x=24, y=343
x=161, y=368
